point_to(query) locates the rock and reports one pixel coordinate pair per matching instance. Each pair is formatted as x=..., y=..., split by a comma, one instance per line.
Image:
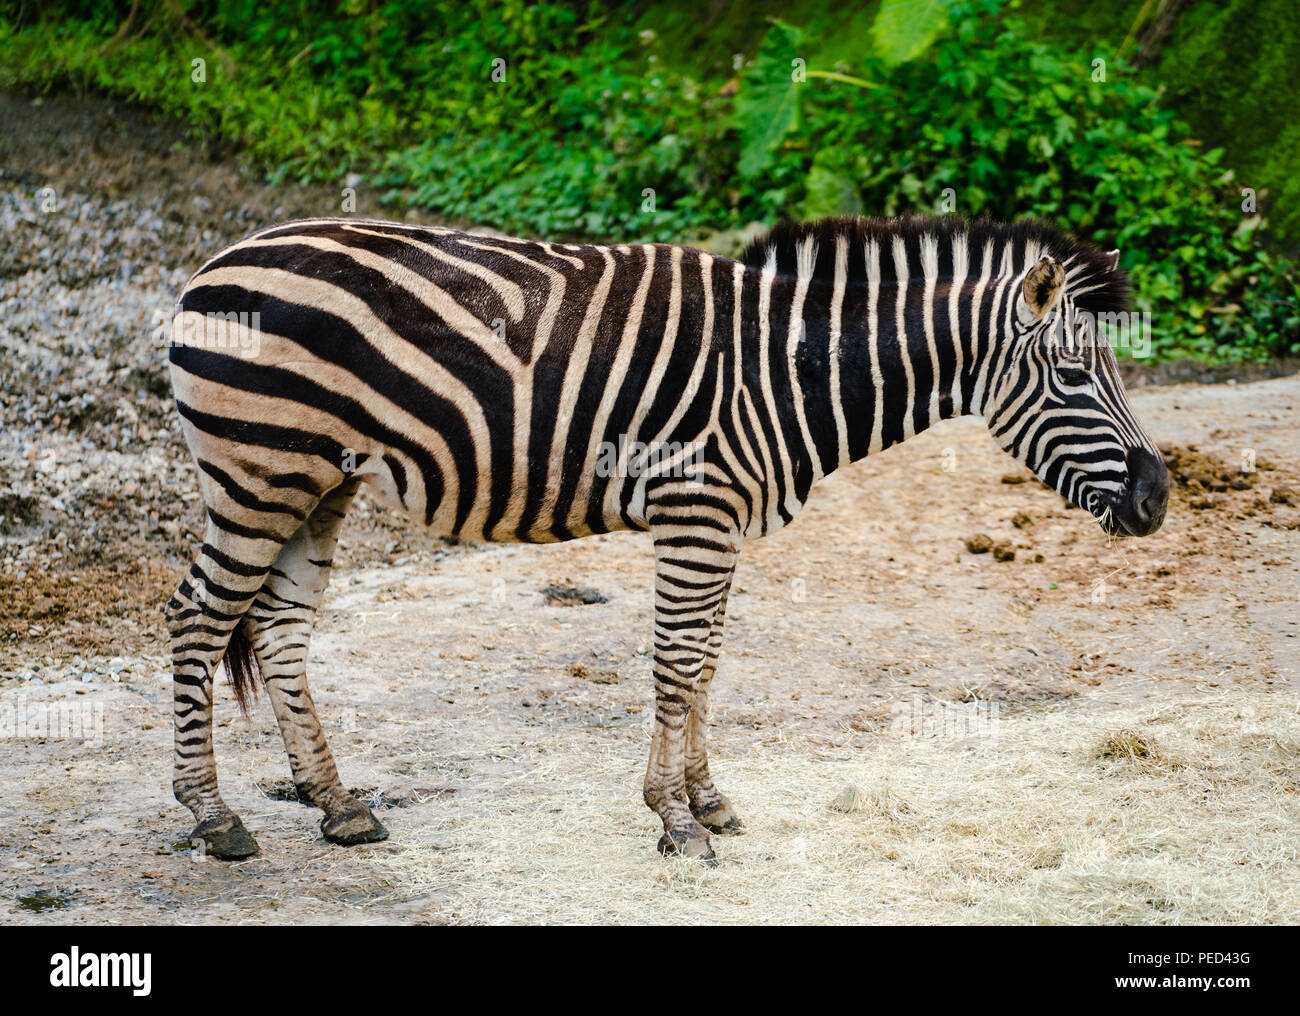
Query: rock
x=1004, y=552
x=980, y=543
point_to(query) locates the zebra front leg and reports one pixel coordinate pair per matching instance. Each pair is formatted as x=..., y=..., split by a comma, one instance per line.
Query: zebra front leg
x=709, y=806
x=693, y=567
x=280, y=625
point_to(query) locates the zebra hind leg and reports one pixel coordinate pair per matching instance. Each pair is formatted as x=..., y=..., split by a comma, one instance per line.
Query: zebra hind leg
x=202, y=616
x=279, y=627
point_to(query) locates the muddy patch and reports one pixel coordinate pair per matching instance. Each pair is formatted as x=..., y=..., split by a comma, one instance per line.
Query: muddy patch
x=374, y=797
x=42, y=901
x=566, y=594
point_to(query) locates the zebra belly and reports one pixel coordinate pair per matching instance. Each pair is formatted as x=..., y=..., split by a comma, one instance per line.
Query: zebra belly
x=387, y=486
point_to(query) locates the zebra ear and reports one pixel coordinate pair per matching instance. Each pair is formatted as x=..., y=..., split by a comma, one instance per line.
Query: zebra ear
x=1112, y=260
x=1043, y=285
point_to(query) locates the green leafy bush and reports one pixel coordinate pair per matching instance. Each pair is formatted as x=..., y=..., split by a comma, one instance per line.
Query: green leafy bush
x=584, y=131
x=990, y=122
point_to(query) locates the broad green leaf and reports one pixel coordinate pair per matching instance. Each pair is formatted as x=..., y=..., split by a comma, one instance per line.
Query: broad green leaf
x=767, y=108
x=904, y=29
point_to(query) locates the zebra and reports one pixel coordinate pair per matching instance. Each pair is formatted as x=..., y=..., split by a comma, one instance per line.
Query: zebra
x=474, y=381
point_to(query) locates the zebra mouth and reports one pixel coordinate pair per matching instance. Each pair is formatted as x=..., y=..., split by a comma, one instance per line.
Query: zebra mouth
x=1111, y=522
x=1139, y=508
x=1130, y=514
x=1113, y=514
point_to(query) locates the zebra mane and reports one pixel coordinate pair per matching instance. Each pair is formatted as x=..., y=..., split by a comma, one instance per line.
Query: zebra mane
x=1090, y=279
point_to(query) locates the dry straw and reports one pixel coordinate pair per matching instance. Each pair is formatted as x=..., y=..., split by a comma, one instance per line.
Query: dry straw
x=1077, y=813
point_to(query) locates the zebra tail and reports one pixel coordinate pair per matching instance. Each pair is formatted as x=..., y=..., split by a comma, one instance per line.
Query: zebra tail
x=242, y=667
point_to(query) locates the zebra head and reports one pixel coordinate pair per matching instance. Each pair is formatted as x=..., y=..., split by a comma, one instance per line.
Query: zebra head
x=1059, y=405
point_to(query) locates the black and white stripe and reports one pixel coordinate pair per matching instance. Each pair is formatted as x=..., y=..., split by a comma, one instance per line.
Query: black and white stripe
x=477, y=382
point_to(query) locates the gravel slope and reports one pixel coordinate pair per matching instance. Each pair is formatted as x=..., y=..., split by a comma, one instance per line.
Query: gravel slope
x=106, y=212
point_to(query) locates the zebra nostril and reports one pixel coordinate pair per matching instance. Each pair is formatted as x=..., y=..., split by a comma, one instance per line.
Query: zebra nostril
x=1142, y=507
x=1143, y=502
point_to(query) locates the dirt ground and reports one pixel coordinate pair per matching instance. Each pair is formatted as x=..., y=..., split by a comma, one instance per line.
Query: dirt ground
x=502, y=739
x=1061, y=729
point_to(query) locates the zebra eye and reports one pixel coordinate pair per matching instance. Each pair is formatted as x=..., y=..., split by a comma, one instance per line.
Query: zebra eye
x=1072, y=372
x=1069, y=366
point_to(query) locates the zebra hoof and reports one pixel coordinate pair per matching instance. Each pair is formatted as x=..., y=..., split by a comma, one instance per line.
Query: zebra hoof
x=721, y=820
x=728, y=826
x=695, y=848
x=353, y=827
x=224, y=839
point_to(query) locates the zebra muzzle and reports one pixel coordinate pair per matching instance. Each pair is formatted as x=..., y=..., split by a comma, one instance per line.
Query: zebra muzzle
x=1142, y=511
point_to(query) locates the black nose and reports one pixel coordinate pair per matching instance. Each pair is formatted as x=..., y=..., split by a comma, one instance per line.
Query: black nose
x=1148, y=492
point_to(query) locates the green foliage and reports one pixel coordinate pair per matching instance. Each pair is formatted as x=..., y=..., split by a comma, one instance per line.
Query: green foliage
x=585, y=131
x=1026, y=130
x=904, y=29
x=768, y=107
x=829, y=192
x=1227, y=66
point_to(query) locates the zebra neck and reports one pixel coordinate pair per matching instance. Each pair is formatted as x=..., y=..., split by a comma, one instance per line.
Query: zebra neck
x=880, y=361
